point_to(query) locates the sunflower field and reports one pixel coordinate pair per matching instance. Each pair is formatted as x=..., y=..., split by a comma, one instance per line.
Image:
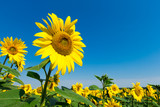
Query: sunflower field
x=61, y=46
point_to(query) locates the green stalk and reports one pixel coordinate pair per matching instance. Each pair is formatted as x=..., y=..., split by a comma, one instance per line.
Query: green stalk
x=132, y=101
x=45, y=88
x=4, y=62
x=12, y=65
x=45, y=70
x=103, y=93
x=158, y=96
x=147, y=102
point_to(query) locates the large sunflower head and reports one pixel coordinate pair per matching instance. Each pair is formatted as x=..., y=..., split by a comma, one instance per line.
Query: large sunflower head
x=60, y=42
x=13, y=48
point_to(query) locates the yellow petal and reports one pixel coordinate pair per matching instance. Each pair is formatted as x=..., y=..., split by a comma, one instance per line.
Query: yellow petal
x=60, y=62
x=61, y=23
x=40, y=51
x=79, y=53
x=67, y=22
x=49, y=27
x=77, y=38
x=53, y=57
x=68, y=26
x=41, y=42
x=79, y=43
x=55, y=21
x=79, y=48
x=42, y=27
x=68, y=64
x=76, y=58
x=47, y=51
x=44, y=35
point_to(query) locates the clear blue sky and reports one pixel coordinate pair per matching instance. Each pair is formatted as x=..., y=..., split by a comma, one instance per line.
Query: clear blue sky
x=122, y=37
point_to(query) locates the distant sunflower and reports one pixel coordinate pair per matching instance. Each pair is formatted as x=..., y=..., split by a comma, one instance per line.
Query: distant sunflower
x=13, y=48
x=137, y=92
x=60, y=42
x=112, y=103
x=21, y=64
x=11, y=76
x=115, y=89
x=150, y=91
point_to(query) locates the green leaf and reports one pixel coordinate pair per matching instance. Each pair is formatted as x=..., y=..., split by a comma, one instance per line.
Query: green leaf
x=18, y=81
x=93, y=87
x=38, y=67
x=73, y=96
x=155, y=104
x=34, y=100
x=10, y=70
x=33, y=75
x=62, y=103
x=99, y=78
x=11, y=98
x=120, y=99
x=7, y=85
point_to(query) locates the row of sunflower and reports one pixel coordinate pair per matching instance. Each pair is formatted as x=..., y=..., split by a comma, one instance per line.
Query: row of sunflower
x=61, y=46
x=114, y=97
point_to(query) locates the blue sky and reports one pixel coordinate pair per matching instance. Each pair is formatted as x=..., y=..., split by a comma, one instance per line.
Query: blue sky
x=122, y=37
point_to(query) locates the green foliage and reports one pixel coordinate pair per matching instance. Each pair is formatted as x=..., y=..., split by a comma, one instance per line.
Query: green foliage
x=120, y=99
x=33, y=101
x=10, y=70
x=16, y=80
x=105, y=80
x=12, y=98
x=39, y=66
x=94, y=87
x=155, y=86
x=66, y=93
x=34, y=75
x=7, y=85
x=99, y=78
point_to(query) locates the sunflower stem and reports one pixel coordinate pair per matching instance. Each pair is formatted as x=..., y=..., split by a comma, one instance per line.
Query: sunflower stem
x=45, y=70
x=158, y=96
x=45, y=88
x=12, y=65
x=132, y=101
x=4, y=62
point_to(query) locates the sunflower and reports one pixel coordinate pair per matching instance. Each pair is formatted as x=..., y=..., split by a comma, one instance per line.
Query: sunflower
x=27, y=88
x=10, y=76
x=21, y=64
x=112, y=103
x=150, y=91
x=60, y=42
x=14, y=49
x=78, y=88
x=86, y=92
x=137, y=92
x=115, y=89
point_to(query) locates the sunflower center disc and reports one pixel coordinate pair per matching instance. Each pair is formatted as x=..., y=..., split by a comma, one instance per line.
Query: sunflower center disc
x=114, y=89
x=62, y=43
x=12, y=50
x=138, y=92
